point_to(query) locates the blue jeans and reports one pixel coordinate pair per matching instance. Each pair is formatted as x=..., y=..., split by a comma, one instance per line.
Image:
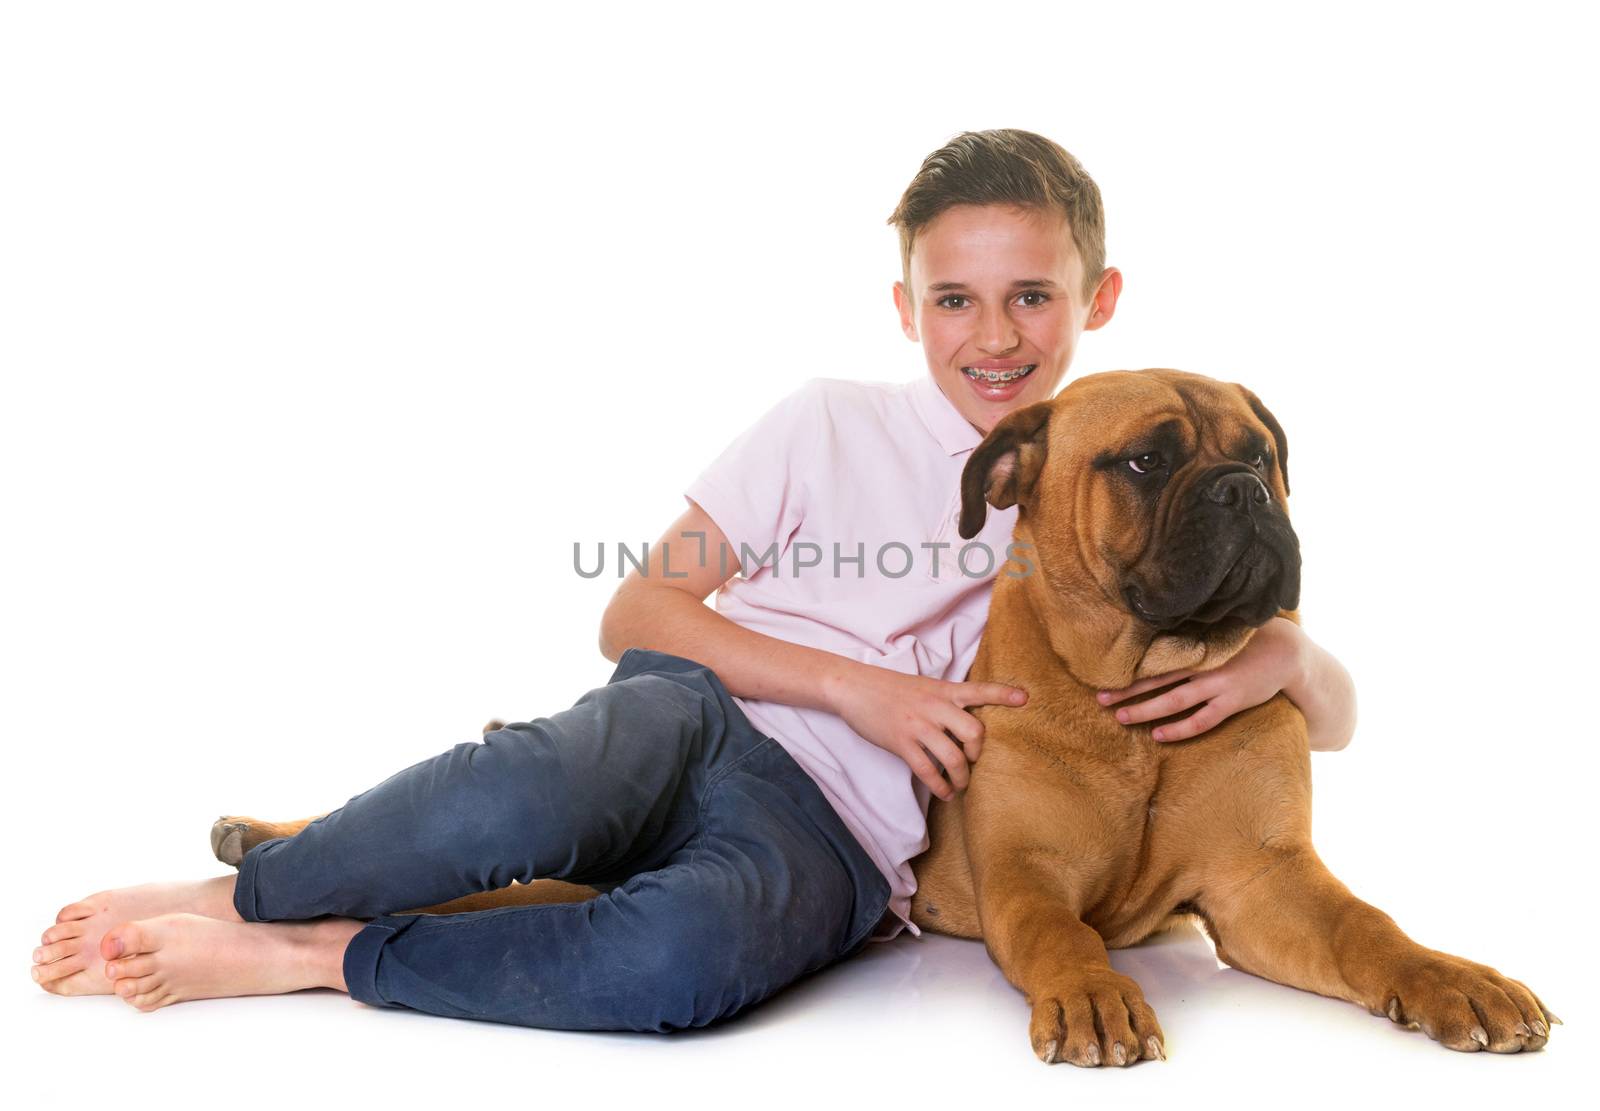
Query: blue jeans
x=725, y=872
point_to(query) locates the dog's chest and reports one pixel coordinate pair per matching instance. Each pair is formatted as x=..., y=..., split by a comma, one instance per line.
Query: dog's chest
x=1119, y=774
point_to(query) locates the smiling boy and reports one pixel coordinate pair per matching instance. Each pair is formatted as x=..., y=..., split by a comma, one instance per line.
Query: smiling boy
x=997, y=286
x=749, y=787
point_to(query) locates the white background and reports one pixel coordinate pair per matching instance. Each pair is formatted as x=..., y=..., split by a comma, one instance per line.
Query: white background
x=328, y=329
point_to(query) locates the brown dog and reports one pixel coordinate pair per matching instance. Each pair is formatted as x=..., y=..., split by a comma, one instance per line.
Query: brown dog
x=1154, y=502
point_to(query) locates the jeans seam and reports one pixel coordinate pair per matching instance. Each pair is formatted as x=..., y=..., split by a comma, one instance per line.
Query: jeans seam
x=722, y=773
x=696, y=843
x=866, y=930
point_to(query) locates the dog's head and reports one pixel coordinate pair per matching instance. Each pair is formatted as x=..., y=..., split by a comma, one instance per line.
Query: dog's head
x=1156, y=505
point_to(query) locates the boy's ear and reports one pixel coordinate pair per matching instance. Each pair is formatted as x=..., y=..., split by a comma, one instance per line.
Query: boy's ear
x=908, y=313
x=1103, y=305
x=1005, y=466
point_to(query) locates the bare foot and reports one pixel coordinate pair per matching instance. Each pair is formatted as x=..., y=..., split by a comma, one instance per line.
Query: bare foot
x=185, y=956
x=69, y=962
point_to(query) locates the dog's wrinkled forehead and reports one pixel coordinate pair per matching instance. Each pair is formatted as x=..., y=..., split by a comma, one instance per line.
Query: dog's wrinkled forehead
x=1117, y=419
x=1124, y=411
x=1182, y=418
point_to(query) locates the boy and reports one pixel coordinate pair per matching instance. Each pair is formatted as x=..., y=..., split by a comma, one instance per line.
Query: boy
x=748, y=804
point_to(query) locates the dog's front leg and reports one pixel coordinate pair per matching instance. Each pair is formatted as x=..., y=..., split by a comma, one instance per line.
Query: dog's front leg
x=1279, y=913
x=1084, y=1011
x=1030, y=894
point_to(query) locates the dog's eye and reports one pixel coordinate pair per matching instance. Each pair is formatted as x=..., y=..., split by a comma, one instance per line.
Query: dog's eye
x=1149, y=461
x=1259, y=461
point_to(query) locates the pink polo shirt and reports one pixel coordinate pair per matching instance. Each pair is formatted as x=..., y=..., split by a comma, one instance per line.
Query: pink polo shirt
x=852, y=491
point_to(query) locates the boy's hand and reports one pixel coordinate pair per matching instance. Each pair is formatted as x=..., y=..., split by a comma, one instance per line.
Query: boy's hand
x=1272, y=660
x=921, y=720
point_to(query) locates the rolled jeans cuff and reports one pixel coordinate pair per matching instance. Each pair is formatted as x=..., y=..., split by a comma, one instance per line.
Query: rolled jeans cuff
x=244, y=888
x=361, y=957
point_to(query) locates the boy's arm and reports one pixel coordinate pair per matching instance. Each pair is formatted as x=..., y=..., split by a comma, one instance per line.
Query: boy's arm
x=668, y=614
x=1325, y=694
x=921, y=719
x=1279, y=657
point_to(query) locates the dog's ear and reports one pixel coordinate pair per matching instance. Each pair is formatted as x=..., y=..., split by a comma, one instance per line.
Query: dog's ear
x=1004, y=467
x=1275, y=428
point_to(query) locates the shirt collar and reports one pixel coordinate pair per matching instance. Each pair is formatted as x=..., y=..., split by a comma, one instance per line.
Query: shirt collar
x=953, y=431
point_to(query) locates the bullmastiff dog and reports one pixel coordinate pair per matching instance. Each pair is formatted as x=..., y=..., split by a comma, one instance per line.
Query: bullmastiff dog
x=1155, y=505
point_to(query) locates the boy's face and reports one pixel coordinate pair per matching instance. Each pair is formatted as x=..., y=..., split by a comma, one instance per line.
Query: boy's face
x=996, y=289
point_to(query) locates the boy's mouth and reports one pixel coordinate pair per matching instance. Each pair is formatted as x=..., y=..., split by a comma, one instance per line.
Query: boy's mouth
x=997, y=377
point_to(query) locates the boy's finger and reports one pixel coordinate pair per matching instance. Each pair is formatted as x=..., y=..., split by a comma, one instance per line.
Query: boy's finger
x=954, y=761
x=964, y=729
x=972, y=744
x=1192, y=726
x=993, y=694
x=1107, y=698
x=1179, y=698
x=923, y=767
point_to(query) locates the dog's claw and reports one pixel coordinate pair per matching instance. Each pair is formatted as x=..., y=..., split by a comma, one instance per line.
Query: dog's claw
x=1119, y=1055
x=1541, y=1029
x=1480, y=1036
x=1156, y=1051
x=1396, y=1015
x=1093, y=1056
x=1049, y=1054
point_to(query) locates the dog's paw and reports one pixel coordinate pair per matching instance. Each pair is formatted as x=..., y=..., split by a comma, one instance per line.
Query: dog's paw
x=232, y=837
x=228, y=840
x=1466, y=1006
x=1097, y=1018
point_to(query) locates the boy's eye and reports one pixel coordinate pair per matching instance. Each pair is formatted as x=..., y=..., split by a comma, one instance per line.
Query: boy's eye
x=1040, y=298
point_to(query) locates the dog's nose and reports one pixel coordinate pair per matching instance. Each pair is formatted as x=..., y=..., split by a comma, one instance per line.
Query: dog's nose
x=1239, y=490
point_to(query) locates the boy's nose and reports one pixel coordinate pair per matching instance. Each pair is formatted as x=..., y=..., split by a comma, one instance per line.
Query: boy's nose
x=996, y=333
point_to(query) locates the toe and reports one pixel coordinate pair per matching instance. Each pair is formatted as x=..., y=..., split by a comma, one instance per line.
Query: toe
x=1532, y=1029
x=130, y=937
x=1044, y=1030
x=82, y=982
x=63, y=932
x=1501, y=1017
x=1118, y=1045
x=151, y=1001
x=130, y=987
x=1081, y=1044
x=132, y=967
x=53, y=986
x=73, y=911
x=47, y=954
x=56, y=970
x=1147, y=1033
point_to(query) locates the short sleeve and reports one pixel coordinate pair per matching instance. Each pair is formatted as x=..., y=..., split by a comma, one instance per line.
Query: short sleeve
x=756, y=489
